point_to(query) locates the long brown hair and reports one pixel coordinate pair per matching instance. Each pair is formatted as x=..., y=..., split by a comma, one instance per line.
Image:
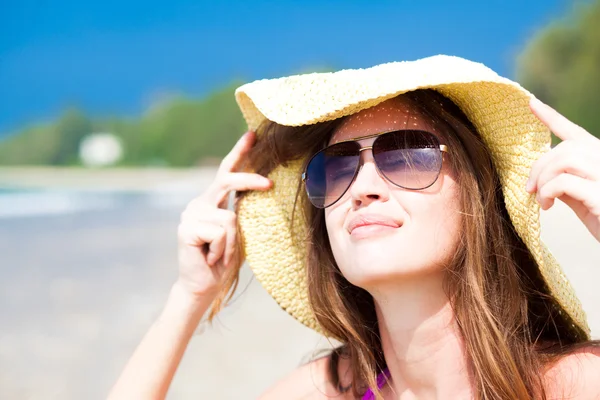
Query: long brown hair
x=510, y=324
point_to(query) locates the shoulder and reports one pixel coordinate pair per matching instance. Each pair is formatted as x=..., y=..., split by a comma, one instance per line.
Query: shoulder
x=309, y=382
x=576, y=375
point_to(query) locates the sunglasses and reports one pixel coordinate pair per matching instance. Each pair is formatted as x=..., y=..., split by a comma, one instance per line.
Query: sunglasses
x=410, y=159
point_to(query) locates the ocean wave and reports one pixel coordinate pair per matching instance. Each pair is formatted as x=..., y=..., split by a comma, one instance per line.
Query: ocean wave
x=30, y=203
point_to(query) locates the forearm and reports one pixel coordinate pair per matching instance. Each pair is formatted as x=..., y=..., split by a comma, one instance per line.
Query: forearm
x=150, y=370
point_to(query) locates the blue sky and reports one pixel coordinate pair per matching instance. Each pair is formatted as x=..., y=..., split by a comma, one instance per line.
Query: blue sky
x=116, y=57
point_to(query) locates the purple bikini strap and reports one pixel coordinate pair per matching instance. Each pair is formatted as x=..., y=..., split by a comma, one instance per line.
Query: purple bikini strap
x=381, y=380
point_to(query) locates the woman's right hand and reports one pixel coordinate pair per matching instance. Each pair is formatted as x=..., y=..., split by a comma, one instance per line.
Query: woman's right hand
x=207, y=246
x=207, y=233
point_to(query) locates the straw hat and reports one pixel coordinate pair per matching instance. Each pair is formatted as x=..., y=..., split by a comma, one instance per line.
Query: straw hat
x=497, y=107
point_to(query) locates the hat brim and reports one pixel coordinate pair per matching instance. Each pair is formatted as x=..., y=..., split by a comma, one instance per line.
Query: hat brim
x=497, y=107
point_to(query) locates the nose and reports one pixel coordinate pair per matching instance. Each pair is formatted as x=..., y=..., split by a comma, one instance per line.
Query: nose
x=369, y=185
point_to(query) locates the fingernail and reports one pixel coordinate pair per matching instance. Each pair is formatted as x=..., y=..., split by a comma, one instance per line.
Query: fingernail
x=528, y=186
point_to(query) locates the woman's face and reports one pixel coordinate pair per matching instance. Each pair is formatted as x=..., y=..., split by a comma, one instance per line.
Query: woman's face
x=425, y=223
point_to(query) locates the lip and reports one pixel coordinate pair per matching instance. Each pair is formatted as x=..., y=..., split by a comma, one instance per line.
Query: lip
x=372, y=219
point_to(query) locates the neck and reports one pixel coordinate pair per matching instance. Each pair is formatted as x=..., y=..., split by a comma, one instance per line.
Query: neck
x=420, y=340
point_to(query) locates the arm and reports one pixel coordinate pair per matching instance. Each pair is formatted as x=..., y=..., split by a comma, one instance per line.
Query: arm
x=208, y=253
x=149, y=372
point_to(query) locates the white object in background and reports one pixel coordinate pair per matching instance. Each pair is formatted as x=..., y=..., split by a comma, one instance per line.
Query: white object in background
x=100, y=150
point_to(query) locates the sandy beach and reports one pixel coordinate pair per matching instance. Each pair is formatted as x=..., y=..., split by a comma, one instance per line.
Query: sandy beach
x=81, y=286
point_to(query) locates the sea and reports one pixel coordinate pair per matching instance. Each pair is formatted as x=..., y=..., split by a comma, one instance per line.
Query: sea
x=23, y=203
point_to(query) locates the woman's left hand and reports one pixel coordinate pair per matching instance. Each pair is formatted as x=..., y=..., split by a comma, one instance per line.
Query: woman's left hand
x=570, y=171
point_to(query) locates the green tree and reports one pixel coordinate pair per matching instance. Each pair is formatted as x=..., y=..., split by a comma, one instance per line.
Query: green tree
x=55, y=144
x=71, y=128
x=184, y=132
x=561, y=66
x=204, y=130
x=35, y=145
x=179, y=132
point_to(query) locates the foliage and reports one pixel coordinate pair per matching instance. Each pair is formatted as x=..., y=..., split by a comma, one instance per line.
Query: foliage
x=180, y=132
x=561, y=66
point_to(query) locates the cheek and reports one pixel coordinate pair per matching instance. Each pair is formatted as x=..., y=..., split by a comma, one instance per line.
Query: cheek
x=434, y=219
x=441, y=224
x=334, y=222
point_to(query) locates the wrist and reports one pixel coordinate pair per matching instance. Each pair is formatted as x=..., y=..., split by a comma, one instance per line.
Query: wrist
x=195, y=293
x=183, y=304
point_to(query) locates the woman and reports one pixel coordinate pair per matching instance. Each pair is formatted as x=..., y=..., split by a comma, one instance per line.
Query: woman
x=400, y=216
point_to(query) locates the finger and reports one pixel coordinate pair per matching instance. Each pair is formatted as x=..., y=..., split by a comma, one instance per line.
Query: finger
x=200, y=234
x=582, y=195
x=196, y=208
x=216, y=248
x=227, y=219
x=210, y=214
x=567, y=157
x=537, y=166
x=238, y=181
x=558, y=124
x=231, y=161
x=231, y=242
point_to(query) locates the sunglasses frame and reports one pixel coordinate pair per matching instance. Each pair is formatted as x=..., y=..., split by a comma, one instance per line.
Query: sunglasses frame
x=442, y=148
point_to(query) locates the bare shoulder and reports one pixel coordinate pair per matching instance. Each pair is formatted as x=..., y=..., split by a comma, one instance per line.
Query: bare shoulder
x=576, y=376
x=309, y=382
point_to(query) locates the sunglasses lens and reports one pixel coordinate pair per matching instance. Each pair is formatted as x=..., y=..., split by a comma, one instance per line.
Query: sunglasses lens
x=330, y=173
x=410, y=159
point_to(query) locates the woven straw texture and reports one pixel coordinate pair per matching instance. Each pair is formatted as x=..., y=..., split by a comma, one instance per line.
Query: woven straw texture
x=496, y=106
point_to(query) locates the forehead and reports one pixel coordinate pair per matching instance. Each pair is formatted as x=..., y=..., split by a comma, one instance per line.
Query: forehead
x=393, y=114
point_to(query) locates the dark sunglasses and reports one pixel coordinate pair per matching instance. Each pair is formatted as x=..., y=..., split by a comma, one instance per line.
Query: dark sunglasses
x=410, y=159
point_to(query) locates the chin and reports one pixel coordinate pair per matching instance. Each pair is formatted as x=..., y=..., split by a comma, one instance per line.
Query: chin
x=380, y=255
x=361, y=271
x=367, y=269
